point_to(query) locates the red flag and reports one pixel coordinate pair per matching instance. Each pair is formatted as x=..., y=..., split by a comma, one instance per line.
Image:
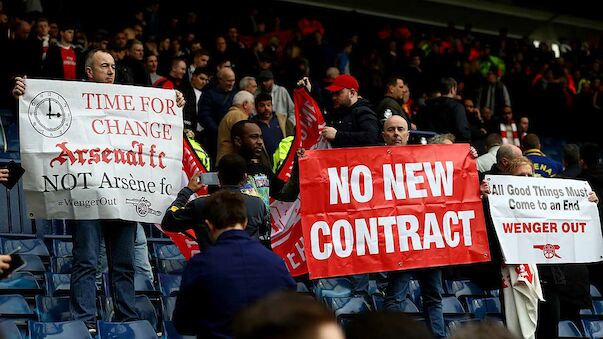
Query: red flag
x=191, y=164
x=287, y=239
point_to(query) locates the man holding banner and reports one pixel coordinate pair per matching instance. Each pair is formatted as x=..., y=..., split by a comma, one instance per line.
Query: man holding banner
x=118, y=232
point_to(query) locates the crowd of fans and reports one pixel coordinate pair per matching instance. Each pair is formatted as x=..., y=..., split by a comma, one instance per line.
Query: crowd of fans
x=237, y=79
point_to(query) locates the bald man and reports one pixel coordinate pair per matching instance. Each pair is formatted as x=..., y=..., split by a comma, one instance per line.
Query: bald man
x=395, y=133
x=506, y=153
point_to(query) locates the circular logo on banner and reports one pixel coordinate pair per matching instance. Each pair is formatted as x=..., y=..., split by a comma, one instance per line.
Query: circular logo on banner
x=49, y=114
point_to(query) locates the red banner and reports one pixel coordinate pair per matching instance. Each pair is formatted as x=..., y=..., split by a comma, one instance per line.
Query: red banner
x=287, y=240
x=376, y=209
x=191, y=164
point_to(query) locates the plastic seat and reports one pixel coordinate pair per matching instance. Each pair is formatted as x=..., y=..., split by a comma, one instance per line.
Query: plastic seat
x=168, y=304
x=462, y=287
x=347, y=305
x=481, y=307
x=408, y=306
x=167, y=251
x=33, y=264
x=9, y=330
x=51, y=309
x=171, y=266
x=593, y=328
x=140, y=329
x=61, y=265
x=23, y=283
x=146, y=310
x=14, y=306
x=594, y=291
x=453, y=309
x=598, y=306
x=144, y=285
x=58, y=330
x=57, y=284
x=333, y=288
x=28, y=246
x=169, y=284
x=62, y=248
x=568, y=329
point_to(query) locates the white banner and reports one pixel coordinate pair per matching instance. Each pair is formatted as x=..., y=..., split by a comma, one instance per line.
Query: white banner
x=99, y=151
x=545, y=221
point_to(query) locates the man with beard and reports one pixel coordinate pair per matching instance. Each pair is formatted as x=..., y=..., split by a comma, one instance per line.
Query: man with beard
x=353, y=123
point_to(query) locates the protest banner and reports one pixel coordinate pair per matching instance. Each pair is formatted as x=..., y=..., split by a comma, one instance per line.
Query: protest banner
x=545, y=221
x=375, y=209
x=99, y=151
x=287, y=239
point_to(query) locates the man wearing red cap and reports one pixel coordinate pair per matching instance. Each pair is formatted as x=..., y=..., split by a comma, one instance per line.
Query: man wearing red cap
x=353, y=122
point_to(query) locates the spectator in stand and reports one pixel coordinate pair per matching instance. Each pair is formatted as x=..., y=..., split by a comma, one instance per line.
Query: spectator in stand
x=175, y=78
x=353, y=121
x=494, y=94
x=131, y=69
x=543, y=166
x=476, y=124
x=214, y=104
x=151, y=64
x=343, y=58
x=274, y=125
x=200, y=60
x=287, y=315
x=61, y=60
x=281, y=100
x=391, y=103
x=4, y=259
x=508, y=128
x=183, y=214
x=571, y=161
x=248, y=84
x=40, y=43
x=231, y=274
x=396, y=133
x=242, y=106
x=485, y=161
x=100, y=68
x=445, y=114
x=524, y=126
x=192, y=94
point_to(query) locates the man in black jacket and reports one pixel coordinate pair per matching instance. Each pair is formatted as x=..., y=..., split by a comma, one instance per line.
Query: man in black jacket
x=181, y=216
x=353, y=123
x=446, y=114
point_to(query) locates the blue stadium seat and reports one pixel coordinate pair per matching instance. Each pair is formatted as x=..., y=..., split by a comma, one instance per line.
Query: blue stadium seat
x=452, y=325
x=170, y=266
x=61, y=248
x=463, y=287
x=166, y=251
x=9, y=330
x=593, y=328
x=302, y=288
x=378, y=302
x=20, y=283
x=14, y=306
x=567, y=329
x=33, y=264
x=598, y=306
x=347, y=305
x=28, y=246
x=453, y=309
x=594, y=291
x=414, y=292
x=168, y=304
x=140, y=329
x=58, y=330
x=143, y=284
x=52, y=309
x=169, y=332
x=408, y=306
x=169, y=284
x=146, y=310
x=57, y=284
x=482, y=307
x=61, y=264
x=586, y=311
x=333, y=287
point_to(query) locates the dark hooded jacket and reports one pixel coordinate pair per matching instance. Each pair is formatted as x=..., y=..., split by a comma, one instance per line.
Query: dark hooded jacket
x=356, y=125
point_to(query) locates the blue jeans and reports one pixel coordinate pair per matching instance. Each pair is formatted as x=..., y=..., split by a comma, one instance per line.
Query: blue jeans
x=141, y=257
x=430, y=280
x=119, y=237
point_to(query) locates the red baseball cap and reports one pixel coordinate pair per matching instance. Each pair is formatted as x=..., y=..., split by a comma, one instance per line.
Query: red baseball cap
x=343, y=81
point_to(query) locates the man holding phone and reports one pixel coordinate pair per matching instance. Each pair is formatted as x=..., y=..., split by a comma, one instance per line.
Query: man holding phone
x=4, y=263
